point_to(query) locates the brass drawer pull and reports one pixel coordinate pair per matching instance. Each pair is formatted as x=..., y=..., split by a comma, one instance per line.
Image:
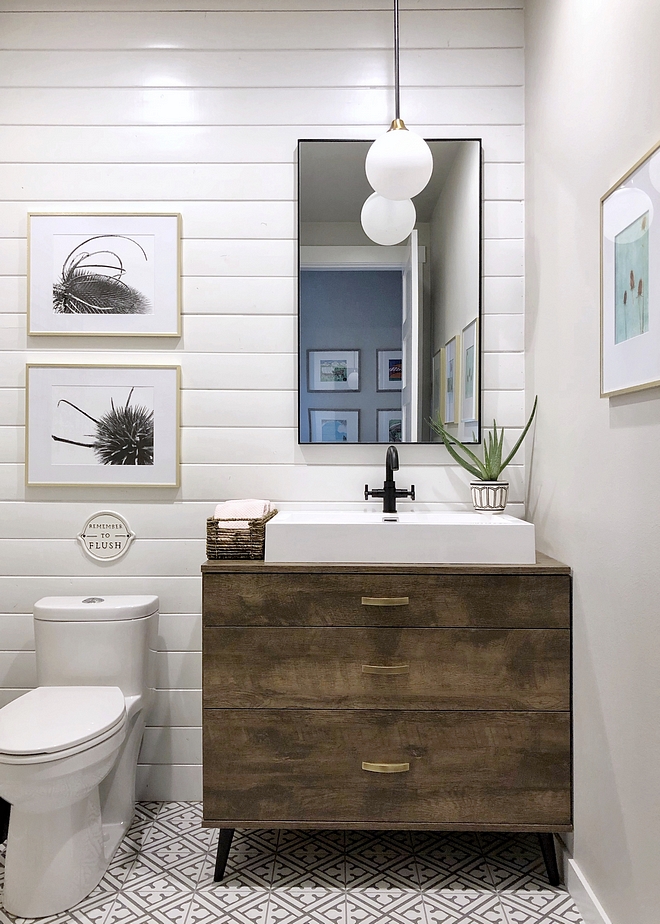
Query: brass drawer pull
x=385, y=601
x=385, y=668
x=385, y=768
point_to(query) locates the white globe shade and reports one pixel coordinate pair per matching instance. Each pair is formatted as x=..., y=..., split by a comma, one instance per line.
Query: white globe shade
x=399, y=164
x=387, y=221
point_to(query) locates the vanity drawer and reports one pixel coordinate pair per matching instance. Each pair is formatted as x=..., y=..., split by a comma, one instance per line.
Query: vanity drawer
x=391, y=668
x=385, y=598
x=446, y=769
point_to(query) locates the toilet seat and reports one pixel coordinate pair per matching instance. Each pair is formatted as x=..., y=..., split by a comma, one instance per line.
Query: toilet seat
x=49, y=723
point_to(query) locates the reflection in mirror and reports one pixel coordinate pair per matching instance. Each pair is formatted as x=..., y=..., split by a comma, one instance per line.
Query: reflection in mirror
x=388, y=336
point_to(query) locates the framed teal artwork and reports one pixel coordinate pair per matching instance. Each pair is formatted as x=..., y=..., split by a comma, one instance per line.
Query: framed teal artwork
x=630, y=280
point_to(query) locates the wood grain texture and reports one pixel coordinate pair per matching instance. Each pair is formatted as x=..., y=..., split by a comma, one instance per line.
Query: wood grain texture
x=447, y=668
x=319, y=596
x=480, y=768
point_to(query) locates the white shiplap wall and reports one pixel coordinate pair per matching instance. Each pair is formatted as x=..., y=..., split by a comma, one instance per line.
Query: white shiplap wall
x=128, y=105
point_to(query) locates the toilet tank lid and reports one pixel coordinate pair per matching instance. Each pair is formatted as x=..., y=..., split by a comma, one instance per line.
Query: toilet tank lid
x=103, y=607
x=50, y=719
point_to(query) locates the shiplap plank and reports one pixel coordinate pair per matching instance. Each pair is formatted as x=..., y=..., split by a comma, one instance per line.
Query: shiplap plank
x=177, y=594
x=12, y=444
x=54, y=520
x=503, y=219
x=504, y=181
x=212, y=144
x=208, y=219
x=240, y=295
x=16, y=632
x=146, y=182
x=239, y=408
x=504, y=295
x=178, y=670
x=503, y=370
x=271, y=106
x=250, y=371
x=176, y=707
x=156, y=557
x=322, y=476
x=179, y=633
x=177, y=745
x=154, y=181
x=504, y=257
x=506, y=407
x=18, y=669
x=12, y=406
x=302, y=29
x=503, y=333
x=206, y=445
x=463, y=67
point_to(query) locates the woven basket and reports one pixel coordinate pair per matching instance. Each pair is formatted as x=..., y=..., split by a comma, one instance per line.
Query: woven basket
x=223, y=541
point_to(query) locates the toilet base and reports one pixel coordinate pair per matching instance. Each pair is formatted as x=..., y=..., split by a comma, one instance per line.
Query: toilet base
x=55, y=858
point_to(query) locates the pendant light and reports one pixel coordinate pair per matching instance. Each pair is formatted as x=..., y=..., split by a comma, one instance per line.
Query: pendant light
x=387, y=221
x=399, y=164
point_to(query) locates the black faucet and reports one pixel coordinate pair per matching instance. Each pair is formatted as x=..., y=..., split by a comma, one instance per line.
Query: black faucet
x=389, y=492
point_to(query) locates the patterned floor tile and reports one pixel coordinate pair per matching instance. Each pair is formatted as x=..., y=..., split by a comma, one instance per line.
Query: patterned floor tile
x=463, y=908
x=150, y=908
x=250, y=864
x=308, y=867
x=515, y=862
x=91, y=910
x=384, y=907
x=308, y=906
x=150, y=874
x=540, y=908
x=451, y=861
x=229, y=905
x=380, y=860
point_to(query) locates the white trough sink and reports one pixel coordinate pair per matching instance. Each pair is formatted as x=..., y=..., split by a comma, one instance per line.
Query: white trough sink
x=404, y=538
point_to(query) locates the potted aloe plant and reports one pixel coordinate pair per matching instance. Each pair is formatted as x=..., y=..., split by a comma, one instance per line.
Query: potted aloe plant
x=489, y=494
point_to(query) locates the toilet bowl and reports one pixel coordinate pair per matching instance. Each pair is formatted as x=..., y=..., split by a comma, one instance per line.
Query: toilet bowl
x=69, y=748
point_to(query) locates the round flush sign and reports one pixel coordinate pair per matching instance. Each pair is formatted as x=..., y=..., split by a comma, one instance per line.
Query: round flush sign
x=106, y=536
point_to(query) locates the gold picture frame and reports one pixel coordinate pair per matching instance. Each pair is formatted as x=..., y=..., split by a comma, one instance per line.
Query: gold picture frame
x=102, y=425
x=629, y=265
x=112, y=274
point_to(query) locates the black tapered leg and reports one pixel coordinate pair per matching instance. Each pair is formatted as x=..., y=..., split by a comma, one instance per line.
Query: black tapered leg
x=224, y=843
x=547, y=842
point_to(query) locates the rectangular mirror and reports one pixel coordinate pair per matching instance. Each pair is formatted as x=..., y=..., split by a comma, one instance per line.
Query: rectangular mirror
x=388, y=335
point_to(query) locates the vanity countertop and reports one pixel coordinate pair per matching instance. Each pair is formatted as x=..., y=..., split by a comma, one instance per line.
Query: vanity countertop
x=543, y=565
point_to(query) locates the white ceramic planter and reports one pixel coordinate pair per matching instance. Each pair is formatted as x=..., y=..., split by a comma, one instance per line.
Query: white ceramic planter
x=489, y=496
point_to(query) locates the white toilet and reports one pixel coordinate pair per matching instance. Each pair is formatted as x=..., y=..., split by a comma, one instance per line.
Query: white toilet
x=69, y=748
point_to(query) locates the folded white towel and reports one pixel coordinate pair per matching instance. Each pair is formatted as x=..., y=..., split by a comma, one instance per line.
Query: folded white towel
x=249, y=508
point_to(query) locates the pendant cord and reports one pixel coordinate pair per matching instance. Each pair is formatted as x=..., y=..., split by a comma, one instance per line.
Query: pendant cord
x=396, y=59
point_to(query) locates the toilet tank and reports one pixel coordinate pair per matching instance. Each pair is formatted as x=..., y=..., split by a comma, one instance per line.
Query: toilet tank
x=107, y=640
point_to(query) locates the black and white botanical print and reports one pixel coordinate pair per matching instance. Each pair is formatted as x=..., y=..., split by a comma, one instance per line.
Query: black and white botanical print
x=103, y=274
x=102, y=425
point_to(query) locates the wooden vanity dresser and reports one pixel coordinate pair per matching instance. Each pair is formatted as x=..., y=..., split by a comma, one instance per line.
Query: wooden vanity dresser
x=387, y=696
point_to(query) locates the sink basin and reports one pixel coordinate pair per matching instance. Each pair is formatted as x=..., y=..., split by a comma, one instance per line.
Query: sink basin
x=405, y=538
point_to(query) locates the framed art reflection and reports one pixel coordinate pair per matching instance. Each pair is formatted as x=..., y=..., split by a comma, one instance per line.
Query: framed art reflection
x=334, y=426
x=389, y=425
x=333, y=370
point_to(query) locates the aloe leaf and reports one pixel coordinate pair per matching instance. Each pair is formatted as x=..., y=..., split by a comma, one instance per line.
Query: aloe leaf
x=478, y=473
x=522, y=435
x=477, y=469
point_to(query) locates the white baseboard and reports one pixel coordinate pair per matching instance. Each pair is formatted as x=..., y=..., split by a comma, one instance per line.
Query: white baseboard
x=583, y=895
